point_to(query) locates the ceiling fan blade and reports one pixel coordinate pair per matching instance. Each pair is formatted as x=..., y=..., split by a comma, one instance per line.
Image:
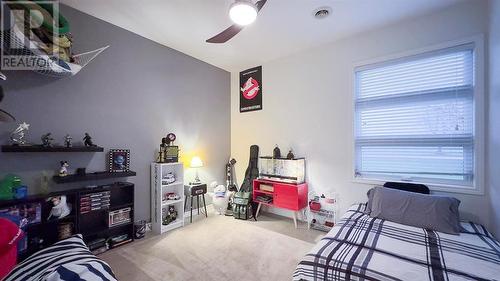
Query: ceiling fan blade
x=260, y=4
x=225, y=35
x=231, y=31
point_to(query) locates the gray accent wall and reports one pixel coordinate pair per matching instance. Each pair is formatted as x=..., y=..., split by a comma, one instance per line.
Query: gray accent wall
x=129, y=97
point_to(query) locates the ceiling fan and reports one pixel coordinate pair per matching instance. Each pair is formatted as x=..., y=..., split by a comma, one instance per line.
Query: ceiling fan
x=242, y=13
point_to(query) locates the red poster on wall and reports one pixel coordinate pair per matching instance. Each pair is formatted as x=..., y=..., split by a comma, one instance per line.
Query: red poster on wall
x=251, y=89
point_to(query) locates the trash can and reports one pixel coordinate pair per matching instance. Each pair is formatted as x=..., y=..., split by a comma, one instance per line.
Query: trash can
x=140, y=229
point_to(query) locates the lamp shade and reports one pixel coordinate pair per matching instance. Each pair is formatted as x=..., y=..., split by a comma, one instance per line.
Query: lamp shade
x=196, y=162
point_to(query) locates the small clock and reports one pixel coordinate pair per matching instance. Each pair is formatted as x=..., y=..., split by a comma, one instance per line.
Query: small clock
x=171, y=137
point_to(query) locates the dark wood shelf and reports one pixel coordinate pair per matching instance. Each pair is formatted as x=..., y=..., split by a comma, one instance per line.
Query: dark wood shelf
x=40, y=148
x=93, y=176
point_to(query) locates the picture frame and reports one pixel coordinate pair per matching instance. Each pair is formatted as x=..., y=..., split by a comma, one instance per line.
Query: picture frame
x=119, y=160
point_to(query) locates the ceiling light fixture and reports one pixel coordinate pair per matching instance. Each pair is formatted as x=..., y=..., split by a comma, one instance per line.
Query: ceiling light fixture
x=243, y=12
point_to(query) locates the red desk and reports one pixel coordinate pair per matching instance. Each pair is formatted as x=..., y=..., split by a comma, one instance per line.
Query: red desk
x=287, y=196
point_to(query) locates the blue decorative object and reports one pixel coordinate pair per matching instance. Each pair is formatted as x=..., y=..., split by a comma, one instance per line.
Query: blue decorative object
x=20, y=192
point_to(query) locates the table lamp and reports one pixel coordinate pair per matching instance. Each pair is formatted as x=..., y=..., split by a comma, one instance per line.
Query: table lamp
x=196, y=163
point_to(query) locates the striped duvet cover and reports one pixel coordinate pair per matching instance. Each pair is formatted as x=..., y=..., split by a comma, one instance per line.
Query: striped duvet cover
x=365, y=248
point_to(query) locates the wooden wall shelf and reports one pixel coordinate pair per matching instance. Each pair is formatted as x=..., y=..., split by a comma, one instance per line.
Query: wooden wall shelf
x=40, y=148
x=93, y=176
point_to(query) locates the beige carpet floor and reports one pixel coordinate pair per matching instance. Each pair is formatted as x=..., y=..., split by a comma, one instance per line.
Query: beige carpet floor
x=216, y=248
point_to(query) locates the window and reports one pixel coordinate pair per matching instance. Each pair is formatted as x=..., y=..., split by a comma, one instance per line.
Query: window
x=414, y=119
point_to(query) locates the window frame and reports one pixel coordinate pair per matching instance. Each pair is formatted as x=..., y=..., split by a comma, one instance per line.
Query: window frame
x=479, y=112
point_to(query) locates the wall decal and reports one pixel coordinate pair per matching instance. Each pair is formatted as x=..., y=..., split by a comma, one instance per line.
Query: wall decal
x=251, y=89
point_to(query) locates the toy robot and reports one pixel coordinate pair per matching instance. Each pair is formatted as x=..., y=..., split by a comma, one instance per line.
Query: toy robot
x=67, y=141
x=47, y=140
x=87, y=140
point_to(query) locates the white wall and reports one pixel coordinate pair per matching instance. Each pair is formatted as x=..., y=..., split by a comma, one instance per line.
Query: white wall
x=308, y=103
x=494, y=116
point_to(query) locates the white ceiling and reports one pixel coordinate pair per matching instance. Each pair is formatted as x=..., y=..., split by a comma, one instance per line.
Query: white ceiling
x=283, y=27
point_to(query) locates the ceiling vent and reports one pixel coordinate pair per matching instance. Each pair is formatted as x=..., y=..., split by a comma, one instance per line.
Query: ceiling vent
x=322, y=12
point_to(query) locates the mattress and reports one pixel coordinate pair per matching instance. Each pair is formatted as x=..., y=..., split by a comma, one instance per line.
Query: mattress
x=365, y=248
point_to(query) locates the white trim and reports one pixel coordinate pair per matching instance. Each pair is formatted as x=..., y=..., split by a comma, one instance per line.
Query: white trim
x=479, y=112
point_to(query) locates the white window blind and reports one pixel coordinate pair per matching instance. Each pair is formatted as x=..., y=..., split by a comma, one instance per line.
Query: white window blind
x=414, y=118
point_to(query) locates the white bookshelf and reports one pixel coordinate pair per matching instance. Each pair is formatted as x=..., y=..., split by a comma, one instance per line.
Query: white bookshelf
x=159, y=207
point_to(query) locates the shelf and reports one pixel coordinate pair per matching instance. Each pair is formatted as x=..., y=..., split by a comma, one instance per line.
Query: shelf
x=118, y=207
x=65, y=219
x=170, y=202
x=320, y=227
x=263, y=191
x=40, y=148
x=173, y=184
x=264, y=203
x=121, y=243
x=323, y=212
x=104, y=229
x=120, y=225
x=92, y=176
x=177, y=223
x=170, y=164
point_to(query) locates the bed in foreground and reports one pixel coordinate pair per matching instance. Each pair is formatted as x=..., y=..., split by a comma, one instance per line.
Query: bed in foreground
x=68, y=260
x=364, y=248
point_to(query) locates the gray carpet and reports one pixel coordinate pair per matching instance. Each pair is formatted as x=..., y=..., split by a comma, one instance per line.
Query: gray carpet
x=216, y=248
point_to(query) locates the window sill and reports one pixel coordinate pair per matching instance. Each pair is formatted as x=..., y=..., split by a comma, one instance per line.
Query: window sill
x=470, y=190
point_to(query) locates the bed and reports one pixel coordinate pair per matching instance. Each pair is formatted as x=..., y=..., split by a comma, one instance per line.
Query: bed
x=364, y=248
x=68, y=260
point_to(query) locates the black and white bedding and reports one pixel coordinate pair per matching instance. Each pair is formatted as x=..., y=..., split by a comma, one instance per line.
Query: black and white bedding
x=68, y=260
x=364, y=248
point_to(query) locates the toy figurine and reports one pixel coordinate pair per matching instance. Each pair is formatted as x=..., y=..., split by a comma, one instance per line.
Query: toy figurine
x=67, y=141
x=290, y=155
x=47, y=140
x=18, y=135
x=87, y=140
x=220, y=198
x=276, y=152
x=171, y=216
x=61, y=208
x=161, y=153
x=64, y=169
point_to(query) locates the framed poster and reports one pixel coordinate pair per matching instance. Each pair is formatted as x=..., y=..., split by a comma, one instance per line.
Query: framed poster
x=251, y=89
x=119, y=160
